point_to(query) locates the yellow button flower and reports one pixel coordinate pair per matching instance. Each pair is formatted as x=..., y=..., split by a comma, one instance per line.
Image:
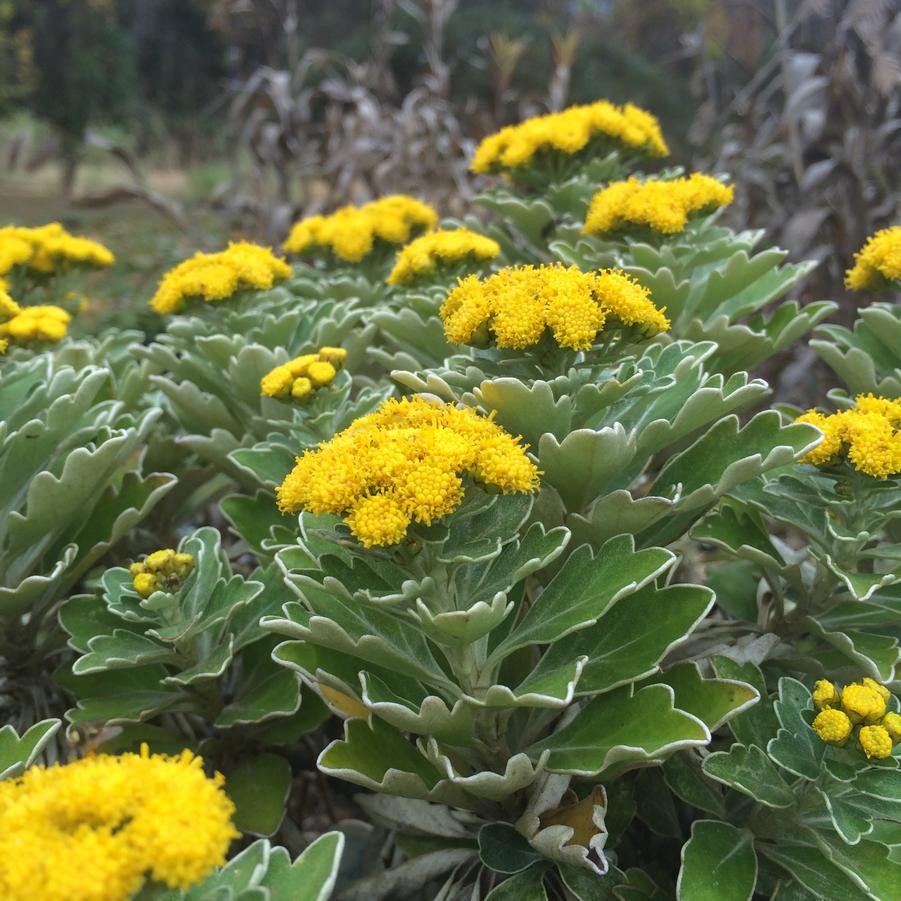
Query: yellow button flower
x=891, y=722
x=163, y=570
x=403, y=464
x=49, y=249
x=832, y=726
x=878, y=262
x=862, y=703
x=875, y=742
x=444, y=247
x=299, y=378
x=825, y=694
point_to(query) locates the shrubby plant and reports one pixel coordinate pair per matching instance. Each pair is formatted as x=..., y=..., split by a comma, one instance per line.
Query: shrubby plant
x=491, y=514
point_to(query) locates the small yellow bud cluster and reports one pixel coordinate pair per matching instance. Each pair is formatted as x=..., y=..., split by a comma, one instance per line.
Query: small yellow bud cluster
x=444, y=247
x=49, y=249
x=163, y=570
x=662, y=206
x=868, y=436
x=351, y=232
x=569, y=132
x=861, y=705
x=8, y=310
x=404, y=463
x=215, y=277
x=47, y=324
x=96, y=829
x=301, y=377
x=517, y=304
x=877, y=262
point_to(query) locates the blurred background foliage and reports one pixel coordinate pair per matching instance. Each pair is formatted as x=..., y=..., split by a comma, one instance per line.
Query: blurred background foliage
x=167, y=125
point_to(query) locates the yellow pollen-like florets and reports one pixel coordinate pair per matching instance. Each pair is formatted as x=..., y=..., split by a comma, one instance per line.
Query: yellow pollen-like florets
x=49, y=249
x=95, y=829
x=862, y=703
x=832, y=726
x=36, y=324
x=217, y=276
x=868, y=436
x=892, y=724
x=300, y=377
x=163, y=570
x=351, y=232
x=878, y=261
x=662, y=206
x=518, y=303
x=439, y=248
x=570, y=132
x=403, y=464
x=875, y=742
x=825, y=694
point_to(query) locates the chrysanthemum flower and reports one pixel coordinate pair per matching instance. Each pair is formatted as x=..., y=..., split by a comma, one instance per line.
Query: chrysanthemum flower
x=516, y=305
x=34, y=325
x=300, y=377
x=217, y=276
x=352, y=233
x=402, y=464
x=96, y=829
x=49, y=249
x=878, y=261
x=832, y=726
x=662, y=206
x=825, y=694
x=868, y=436
x=438, y=249
x=570, y=132
x=875, y=742
x=163, y=570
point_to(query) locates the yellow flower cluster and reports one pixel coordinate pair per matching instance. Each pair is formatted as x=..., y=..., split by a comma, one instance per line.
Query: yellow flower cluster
x=877, y=262
x=868, y=436
x=8, y=309
x=517, y=304
x=299, y=378
x=351, y=232
x=217, y=276
x=36, y=324
x=662, y=206
x=163, y=570
x=570, y=132
x=49, y=249
x=440, y=248
x=95, y=829
x=861, y=705
x=404, y=463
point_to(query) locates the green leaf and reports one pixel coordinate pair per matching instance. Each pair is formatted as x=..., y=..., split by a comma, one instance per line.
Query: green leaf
x=718, y=864
x=713, y=701
x=814, y=872
x=17, y=754
x=311, y=877
x=504, y=850
x=583, y=590
x=526, y=886
x=480, y=535
x=796, y=746
x=617, y=731
x=749, y=770
x=868, y=861
x=629, y=640
x=121, y=649
x=259, y=789
x=758, y=724
x=685, y=778
x=267, y=463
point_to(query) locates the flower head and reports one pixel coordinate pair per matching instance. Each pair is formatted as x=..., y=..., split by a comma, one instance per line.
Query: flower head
x=878, y=261
x=163, y=570
x=863, y=703
x=517, y=305
x=892, y=723
x=825, y=694
x=442, y=248
x=300, y=377
x=875, y=741
x=832, y=726
x=95, y=829
x=662, y=206
x=868, y=436
x=351, y=233
x=404, y=463
x=37, y=324
x=570, y=132
x=49, y=249
x=217, y=276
